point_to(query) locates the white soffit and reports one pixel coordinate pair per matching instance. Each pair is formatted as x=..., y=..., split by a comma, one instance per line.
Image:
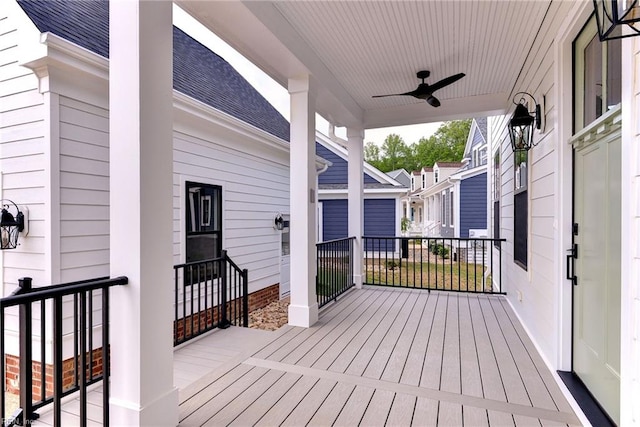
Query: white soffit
x=356, y=49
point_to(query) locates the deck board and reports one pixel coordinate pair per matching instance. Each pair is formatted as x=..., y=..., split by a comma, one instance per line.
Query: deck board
x=401, y=412
x=310, y=403
x=378, y=409
x=355, y=407
x=287, y=403
x=416, y=357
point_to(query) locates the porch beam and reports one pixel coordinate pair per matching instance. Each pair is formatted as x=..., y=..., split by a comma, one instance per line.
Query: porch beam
x=141, y=165
x=355, y=161
x=303, y=307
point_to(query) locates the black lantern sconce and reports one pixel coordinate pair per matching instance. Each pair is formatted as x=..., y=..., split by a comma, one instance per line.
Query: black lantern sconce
x=613, y=15
x=278, y=223
x=523, y=122
x=10, y=225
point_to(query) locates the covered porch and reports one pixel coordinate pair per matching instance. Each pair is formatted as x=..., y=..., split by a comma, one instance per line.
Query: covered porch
x=377, y=356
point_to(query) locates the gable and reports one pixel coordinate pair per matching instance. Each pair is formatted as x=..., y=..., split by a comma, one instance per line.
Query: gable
x=197, y=71
x=338, y=172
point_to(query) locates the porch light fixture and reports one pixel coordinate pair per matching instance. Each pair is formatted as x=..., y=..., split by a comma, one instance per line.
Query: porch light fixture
x=10, y=225
x=612, y=15
x=278, y=222
x=522, y=123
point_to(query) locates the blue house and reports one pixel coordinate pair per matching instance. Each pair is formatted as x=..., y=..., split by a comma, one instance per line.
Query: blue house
x=455, y=205
x=382, y=208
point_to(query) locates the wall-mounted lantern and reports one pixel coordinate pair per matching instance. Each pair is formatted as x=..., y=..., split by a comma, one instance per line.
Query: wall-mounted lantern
x=523, y=122
x=10, y=225
x=278, y=222
x=613, y=15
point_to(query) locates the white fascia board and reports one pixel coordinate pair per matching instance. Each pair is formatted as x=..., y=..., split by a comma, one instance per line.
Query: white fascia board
x=340, y=151
x=436, y=188
x=470, y=173
x=370, y=191
x=61, y=53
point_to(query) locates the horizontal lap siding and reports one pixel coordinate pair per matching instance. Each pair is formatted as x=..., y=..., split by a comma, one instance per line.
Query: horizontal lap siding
x=473, y=204
x=84, y=190
x=337, y=173
x=537, y=285
x=254, y=190
x=22, y=154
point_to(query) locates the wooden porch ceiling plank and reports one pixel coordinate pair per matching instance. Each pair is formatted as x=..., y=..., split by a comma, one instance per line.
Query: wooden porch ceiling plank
x=450, y=375
x=398, y=358
x=309, y=404
x=533, y=382
x=449, y=414
x=378, y=409
x=545, y=373
x=330, y=409
x=287, y=403
x=432, y=368
x=309, y=353
x=416, y=358
x=240, y=405
x=426, y=412
x=338, y=356
x=402, y=325
x=270, y=398
x=354, y=409
x=242, y=373
x=360, y=362
x=470, y=366
x=492, y=383
x=402, y=408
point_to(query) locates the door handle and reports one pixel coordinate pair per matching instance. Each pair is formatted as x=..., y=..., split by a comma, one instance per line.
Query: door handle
x=570, y=273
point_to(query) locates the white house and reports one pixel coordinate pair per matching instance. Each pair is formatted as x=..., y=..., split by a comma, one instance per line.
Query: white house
x=334, y=57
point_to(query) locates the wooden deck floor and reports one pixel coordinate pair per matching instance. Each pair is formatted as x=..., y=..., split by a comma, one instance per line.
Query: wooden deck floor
x=387, y=357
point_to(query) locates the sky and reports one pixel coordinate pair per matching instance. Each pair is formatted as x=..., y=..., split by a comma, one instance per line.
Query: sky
x=278, y=95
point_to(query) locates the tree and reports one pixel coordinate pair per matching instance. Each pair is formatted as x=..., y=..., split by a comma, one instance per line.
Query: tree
x=372, y=154
x=395, y=154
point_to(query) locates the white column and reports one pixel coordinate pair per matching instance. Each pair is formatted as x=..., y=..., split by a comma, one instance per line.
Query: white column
x=303, y=309
x=355, y=138
x=140, y=103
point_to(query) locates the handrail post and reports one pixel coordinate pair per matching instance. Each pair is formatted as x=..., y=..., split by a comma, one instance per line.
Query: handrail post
x=224, y=321
x=25, y=337
x=245, y=298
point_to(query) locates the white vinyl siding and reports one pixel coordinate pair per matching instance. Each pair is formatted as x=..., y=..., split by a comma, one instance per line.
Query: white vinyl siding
x=22, y=155
x=538, y=285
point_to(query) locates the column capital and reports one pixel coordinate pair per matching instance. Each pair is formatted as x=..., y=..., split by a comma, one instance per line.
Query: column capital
x=355, y=133
x=301, y=84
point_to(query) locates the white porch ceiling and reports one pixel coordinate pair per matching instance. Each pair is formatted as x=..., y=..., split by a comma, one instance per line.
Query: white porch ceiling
x=356, y=49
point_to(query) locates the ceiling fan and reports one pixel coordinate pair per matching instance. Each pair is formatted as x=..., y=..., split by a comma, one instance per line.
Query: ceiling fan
x=425, y=90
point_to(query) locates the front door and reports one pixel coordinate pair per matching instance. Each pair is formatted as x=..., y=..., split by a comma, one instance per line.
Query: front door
x=597, y=216
x=285, y=265
x=596, y=321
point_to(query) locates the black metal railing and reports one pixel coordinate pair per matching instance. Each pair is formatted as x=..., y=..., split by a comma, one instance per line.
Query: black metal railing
x=335, y=269
x=445, y=264
x=209, y=294
x=76, y=357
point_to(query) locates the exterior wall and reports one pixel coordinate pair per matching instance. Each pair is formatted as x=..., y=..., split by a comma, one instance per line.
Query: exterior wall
x=538, y=304
x=379, y=218
x=337, y=172
x=23, y=150
x=473, y=204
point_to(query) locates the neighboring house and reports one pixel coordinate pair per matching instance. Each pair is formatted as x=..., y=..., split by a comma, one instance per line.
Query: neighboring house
x=230, y=152
x=382, y=210
x=402, y=176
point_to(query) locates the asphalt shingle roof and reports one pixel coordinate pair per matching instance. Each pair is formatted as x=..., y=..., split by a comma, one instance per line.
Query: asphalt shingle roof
x=197, y=71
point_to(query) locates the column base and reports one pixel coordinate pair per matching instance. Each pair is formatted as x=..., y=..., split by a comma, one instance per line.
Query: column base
x=162, y=412
x=357, y=281
x=302, y=315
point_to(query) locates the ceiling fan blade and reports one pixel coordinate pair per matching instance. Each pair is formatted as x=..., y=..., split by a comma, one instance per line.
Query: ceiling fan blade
x=446, y=82
x=412, y=93
x=433, y=101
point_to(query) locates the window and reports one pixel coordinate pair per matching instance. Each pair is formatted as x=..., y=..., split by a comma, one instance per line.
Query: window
x=443, y=205
x=435, y=175
x=521, y=210
x=424, y=181
x=598, y=75
x=451, y=208
x=476, y=158
x=203, y=221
